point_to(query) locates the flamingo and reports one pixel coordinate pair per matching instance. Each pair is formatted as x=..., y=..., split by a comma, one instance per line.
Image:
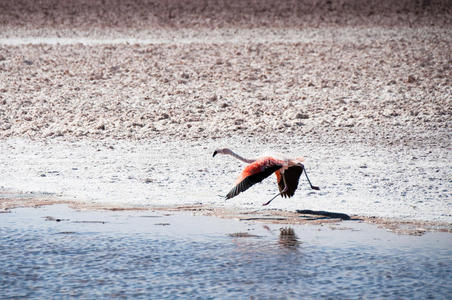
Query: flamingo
x=287, y=171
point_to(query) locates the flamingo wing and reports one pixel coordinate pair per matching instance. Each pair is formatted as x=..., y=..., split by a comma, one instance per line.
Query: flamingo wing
x=252, y=179
x=292, y=176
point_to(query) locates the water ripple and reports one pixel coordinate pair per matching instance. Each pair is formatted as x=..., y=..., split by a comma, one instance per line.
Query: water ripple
x=43, y=261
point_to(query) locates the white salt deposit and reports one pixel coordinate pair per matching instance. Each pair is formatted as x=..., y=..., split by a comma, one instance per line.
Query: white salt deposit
x=359, y=180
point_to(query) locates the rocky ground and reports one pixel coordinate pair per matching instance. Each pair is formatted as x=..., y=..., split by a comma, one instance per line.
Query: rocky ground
x=378, y=73
x=338, y=76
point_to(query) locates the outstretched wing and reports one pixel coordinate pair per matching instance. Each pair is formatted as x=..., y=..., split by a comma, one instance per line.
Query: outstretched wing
x=292, y=176
x=252, y=179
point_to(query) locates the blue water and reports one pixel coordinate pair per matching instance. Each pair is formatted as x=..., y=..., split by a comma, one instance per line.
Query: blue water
x=156, y=255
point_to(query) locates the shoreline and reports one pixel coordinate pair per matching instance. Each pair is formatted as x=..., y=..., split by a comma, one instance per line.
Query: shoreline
x=270, y=216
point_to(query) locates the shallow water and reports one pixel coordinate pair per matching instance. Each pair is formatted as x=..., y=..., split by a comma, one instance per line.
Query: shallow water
x=55, y=251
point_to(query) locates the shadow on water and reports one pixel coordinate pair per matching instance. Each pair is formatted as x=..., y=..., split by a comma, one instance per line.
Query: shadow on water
x=327, y=214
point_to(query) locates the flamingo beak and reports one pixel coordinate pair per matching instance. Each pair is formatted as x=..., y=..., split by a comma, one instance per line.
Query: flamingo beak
x=214, y=153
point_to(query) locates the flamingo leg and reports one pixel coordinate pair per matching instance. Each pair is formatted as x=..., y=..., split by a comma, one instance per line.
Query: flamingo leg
x=312, y=186
x=282, y=192
x=268, y=202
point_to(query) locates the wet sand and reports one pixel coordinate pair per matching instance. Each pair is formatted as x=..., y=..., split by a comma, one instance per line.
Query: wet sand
x=9, y=202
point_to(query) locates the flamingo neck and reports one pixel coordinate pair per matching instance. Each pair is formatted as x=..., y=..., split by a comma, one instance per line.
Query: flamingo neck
x=246, y=160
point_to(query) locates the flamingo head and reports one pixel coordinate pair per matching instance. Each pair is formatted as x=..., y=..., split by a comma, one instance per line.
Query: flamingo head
x=221, y=151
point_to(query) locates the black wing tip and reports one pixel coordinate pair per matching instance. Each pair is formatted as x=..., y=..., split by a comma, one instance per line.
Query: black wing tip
x=232, y=193
x=251, y=180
